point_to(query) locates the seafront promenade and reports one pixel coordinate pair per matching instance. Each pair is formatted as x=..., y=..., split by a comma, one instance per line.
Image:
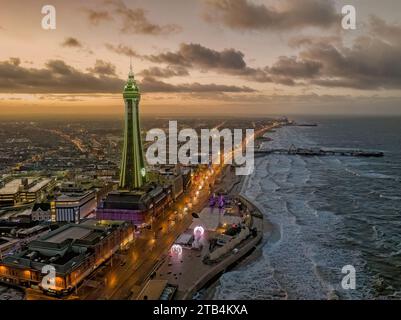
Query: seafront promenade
x=128, y=271
x=191, y=270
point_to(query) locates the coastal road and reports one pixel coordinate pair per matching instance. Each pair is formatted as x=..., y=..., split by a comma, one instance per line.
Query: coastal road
x=125, y=273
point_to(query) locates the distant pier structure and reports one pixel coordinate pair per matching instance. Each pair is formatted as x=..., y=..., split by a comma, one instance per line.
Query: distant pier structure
x=293, y=150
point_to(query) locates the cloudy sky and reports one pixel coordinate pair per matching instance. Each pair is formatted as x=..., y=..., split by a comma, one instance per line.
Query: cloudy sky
x=202, y=56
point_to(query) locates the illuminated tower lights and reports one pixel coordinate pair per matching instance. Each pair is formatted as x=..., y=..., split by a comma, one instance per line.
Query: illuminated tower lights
x=133, y=172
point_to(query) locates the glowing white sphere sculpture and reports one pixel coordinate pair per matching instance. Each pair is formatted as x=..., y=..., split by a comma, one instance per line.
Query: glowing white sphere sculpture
x=176, y=249
x=199, y=231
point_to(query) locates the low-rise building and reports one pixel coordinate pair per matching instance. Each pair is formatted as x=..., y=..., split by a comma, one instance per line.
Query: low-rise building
x=16, y=215
x=137, y=206
x=168, y=175
x=41, y=212
x=25, y=190
x=7, y=244
x=72, y=251
x=73, y=207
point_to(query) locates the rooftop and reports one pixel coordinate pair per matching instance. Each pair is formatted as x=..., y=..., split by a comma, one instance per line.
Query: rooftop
x=73, y=233
x=89, y=231
x=39, y=185
x=34, y=184
x=64, y=247
x=132, y=200
x=14, y=213
x=74, y=196
x=13, y=186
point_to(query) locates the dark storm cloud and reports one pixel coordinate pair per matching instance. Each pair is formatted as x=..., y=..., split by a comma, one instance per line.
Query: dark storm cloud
x=197, y=55
x=59, y=77
x=103, y=68
x=71, y=42
x=55, y=77
x=380, y=28
x=291, y=14
x=295, y=68
x=372, y=62
x=231, y=62
x=95, y=17
x=149, y=84
x=122, y=50
x=135, y=21
x=170, y=71
x=228, y=61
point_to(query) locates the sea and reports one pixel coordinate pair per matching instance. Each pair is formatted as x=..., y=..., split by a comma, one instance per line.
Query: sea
x=328, y=213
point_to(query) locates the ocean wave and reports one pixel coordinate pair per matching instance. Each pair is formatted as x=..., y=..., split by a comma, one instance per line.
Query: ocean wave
x=395, y=198
x=305, y=198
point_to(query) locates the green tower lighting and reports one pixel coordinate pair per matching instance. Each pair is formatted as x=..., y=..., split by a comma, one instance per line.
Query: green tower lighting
x=133, y=172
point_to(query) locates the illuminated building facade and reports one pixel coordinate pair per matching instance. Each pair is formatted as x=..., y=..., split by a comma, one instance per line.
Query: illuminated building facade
x=74, y=251
x=137, y=200
x=136, y=206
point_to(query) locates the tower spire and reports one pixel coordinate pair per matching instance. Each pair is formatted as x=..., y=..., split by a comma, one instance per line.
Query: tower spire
x=131, y=73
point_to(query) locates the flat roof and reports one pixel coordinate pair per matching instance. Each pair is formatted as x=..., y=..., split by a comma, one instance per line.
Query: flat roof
x=6, y=242
x=87, y=230
x=101, y=223
x=39, y=185
x=36, y=228
x=13, y=186
x=74, y=196
x=69, y=233
x=7, y=214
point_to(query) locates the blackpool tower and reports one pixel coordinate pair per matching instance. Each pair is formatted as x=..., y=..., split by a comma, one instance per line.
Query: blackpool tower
x=133, y=172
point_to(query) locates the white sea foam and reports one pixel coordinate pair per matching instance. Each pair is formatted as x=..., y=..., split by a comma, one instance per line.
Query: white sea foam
x=304, y=263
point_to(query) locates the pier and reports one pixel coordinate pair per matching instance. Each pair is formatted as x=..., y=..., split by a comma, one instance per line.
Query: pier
x=321, y=152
